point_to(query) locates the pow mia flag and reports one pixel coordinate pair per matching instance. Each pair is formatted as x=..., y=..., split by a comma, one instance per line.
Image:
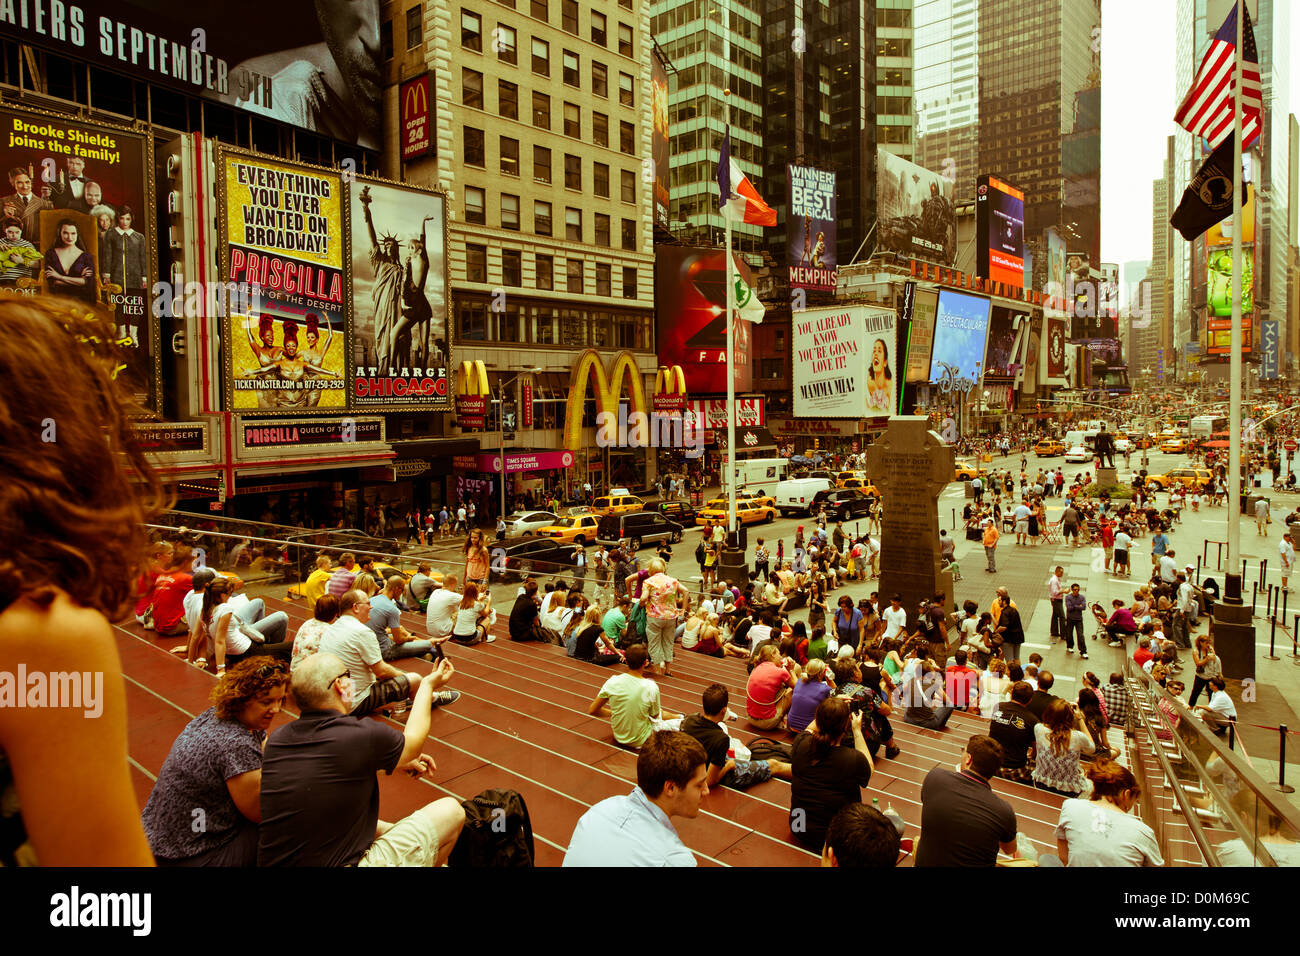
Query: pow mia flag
x=1208, y=197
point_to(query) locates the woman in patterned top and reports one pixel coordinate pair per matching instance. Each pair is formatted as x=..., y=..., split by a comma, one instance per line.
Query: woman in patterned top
x=216, y=764
x=71, y=510
x=1060, y=741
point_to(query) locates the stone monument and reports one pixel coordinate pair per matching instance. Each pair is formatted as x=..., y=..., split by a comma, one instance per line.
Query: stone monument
x=911, y=466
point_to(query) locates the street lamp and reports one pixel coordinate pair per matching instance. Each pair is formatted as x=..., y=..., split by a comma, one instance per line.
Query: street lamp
x=501, y=426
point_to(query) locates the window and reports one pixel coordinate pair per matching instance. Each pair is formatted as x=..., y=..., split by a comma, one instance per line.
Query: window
x=629, y=234
x=509, y=212
x=625, y=4
x=414, y=27
x=512, y=267
x=626, y=138
x=600, y=177
x=573, y=224
x=572, y=120
x=597, y=28
x=602, y=230
x=628, y=179
x=603, y=280
x=541, y=164
x=506, y=42
x=509, y=156
x=624, y=40
x=473, y=320
x=471, y=88
x=629, y=282
x=571, y=65
x=569, y=16
x=572, y=172
x=386, y=39
x=599, y=79
x=541, y=111
x=600, y=129
x=574, y=283
x=545, y=272
x=541, y=218
x=471, y=31
x=505, y=315
x=625, y=89
x=475, y=153
x=476, y=262
x=507, y=100
x=539, y=10
x=541, y=57
x=475, y=208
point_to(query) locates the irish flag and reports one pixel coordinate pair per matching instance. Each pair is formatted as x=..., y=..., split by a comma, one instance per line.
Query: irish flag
x=738, y=198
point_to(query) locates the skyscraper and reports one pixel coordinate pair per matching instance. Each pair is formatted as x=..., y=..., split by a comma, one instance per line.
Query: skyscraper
x=946, y=82
x=895, y=70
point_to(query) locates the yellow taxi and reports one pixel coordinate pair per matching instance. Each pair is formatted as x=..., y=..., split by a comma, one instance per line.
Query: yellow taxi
x=575, y=529
x=748, y=511
x=617, y=505
x=1189, y=478
x=1049, y=448
x=1173, y=446
x=967, y=470
x=863, y=485
x=845, y=476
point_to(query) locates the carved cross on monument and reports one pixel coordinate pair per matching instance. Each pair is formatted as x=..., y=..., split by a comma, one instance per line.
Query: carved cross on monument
x=911, y=466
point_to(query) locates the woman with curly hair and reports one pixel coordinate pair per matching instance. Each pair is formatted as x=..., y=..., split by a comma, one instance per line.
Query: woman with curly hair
x=216, y=765
x=76, y=494
x=476, y=559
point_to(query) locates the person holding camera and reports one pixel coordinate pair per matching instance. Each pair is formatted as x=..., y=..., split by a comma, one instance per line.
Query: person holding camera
x=826, y=774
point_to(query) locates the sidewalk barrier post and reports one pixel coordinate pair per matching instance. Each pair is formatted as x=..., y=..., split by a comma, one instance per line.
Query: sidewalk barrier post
x=1197, y=581
x=1263, y=572
x=1281, y=786
x=1243, y=569
x=1254, y=594
x=1285, y=595
x=1272, y=633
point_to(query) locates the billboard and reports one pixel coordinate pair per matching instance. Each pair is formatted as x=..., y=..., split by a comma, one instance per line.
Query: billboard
x=312, y=65
x=810, y=228
x=1270, y=348
x=1031, y=357
x=1000, y=354
x=921, y=340
x=400, y=306
x=916, y=212
x=78, y=211
x=1218, y=296
x=845, y=362
x=1221, y=233
x=961, y=326
x=282, y=232
x=417, y=117
x=1056, y=272
x=659, y=138
x=999, y=232
x=1056, y=334
x=690, y=318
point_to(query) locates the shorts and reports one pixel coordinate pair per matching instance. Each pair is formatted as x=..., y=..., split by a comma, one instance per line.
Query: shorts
x=766, y=723
x=1070, y=530
x=383, y=692
x=1121, y=557
x=411, y=841
x=1022, y=527
x=747, y=773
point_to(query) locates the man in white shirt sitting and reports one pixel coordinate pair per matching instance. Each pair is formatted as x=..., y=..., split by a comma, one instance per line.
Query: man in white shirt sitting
x=440, y=616
x=637, y=830
x=1169, y=568
x=1221, y=710
x=895, y=618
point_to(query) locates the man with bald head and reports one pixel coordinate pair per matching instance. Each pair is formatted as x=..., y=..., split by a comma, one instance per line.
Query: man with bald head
x=320, y=792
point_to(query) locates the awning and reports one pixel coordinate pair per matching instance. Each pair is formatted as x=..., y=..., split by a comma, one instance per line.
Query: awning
x=748, y=438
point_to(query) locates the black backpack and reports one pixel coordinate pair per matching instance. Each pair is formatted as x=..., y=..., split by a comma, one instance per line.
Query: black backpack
x=497, y=832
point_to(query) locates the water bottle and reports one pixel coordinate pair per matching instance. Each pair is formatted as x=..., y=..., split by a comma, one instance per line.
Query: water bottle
x=895, y=818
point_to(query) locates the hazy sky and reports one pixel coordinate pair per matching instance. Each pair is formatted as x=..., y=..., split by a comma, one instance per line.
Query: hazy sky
x=1137, y=106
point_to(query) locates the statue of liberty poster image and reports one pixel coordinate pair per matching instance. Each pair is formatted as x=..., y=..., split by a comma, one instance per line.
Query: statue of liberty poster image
x=288, y=361
x=399, y=297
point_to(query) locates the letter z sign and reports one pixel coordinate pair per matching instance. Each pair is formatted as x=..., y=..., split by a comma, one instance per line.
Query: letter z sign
x=417, y=121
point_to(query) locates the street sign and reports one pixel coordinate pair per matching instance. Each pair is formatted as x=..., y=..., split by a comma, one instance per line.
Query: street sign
x=1290, y=444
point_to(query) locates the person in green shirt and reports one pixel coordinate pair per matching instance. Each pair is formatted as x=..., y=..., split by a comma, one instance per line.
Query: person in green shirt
x=817, y=645
x=615, y=620
x=631, y=702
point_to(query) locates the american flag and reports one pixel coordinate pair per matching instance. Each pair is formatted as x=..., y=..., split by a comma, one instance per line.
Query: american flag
x=1207, y=109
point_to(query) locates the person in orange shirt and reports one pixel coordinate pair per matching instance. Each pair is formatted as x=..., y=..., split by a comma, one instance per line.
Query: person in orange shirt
x=991, y=545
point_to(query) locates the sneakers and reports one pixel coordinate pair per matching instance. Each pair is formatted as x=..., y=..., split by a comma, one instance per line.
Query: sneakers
x=443, y=697
x=1069, y=650
x=892, y=751
x=1115, y=644
x=1083, y=657
x=489, y=639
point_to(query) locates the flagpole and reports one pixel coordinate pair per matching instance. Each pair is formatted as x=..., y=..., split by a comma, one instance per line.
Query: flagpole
x=730, y=473
x=1234, y=291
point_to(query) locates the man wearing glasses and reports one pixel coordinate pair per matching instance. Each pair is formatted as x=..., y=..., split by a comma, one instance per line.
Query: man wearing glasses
x=376, y=683
x=320, y=793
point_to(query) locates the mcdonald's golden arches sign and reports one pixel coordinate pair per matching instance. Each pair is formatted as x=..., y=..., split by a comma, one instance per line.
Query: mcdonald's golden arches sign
x=417, y=120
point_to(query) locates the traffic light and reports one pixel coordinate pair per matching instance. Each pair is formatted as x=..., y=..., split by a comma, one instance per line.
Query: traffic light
x=817, y=443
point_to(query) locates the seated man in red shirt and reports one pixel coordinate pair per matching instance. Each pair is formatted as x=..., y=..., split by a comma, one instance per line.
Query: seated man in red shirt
x=1144, y=652
x=1120, y=624
x=770, y=690
x=961, y=683
x=168, y=595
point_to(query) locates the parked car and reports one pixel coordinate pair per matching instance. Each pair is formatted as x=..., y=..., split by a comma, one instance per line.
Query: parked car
x=637, y=529
x=679, y=511
x=1079, y=453
x=515, y=560
x=841, y=504
x=522, y=523
x=1189, y=478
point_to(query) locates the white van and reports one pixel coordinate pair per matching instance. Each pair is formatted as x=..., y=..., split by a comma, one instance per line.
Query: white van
x=757, y=475
x=795, y=495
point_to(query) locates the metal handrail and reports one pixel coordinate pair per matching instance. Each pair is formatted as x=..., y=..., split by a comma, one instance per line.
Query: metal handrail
x=1232, y=760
